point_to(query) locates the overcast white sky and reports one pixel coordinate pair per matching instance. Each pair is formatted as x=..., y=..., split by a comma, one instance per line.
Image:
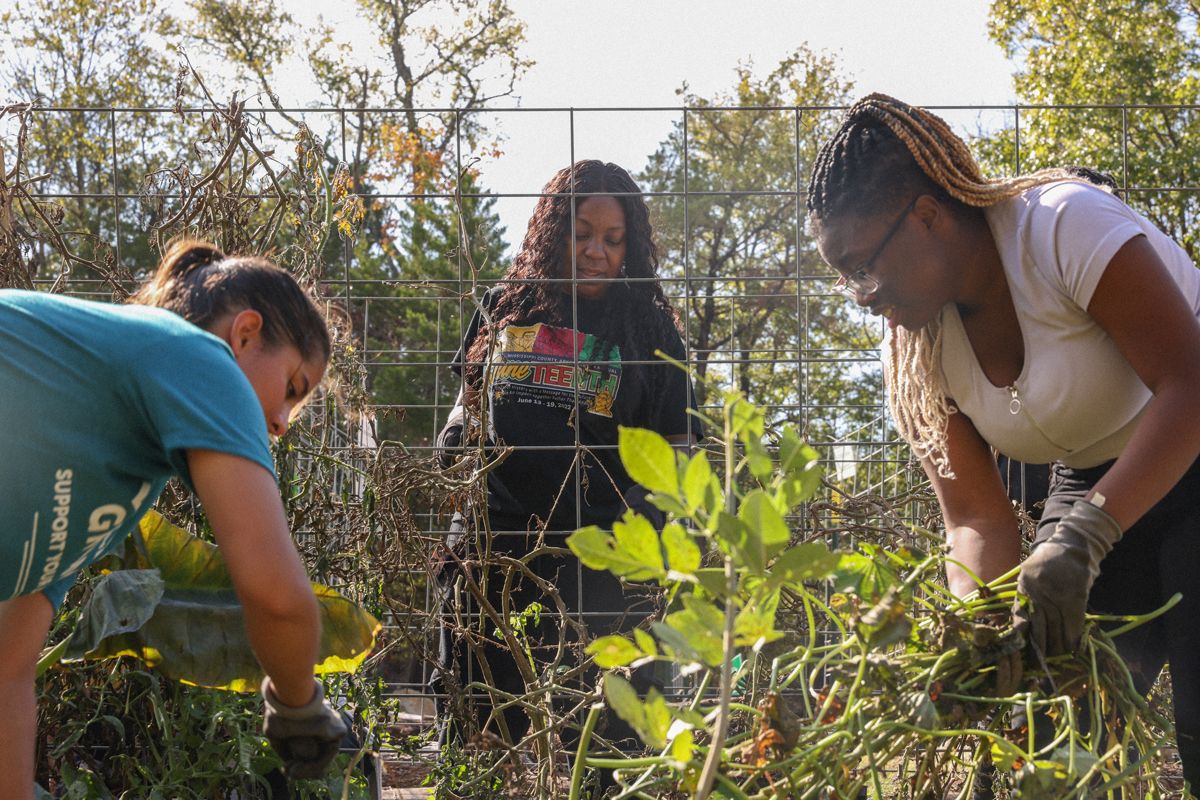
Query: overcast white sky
x=637, y=52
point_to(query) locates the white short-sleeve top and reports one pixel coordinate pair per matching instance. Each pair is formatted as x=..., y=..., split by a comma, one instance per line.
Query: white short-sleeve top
x=1077, y=400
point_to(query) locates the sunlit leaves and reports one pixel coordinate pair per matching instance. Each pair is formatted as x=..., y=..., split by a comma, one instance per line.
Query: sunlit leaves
x=764, y=531
x=862, y=575
x=613, y=651
x=755, y=623
x=177, y=611
x=799, y=470
x=631, y=551
x=651, y=719
x=701, y=489
x=804, y=562
x=700, y=624
x=683, y=554
x=649, y=459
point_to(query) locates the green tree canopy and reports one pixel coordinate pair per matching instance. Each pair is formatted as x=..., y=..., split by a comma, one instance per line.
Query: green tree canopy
x=730, y=223
x=1129, y=70
x=80, y=58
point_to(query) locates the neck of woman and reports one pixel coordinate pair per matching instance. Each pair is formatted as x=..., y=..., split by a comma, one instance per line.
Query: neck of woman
x=982, y=284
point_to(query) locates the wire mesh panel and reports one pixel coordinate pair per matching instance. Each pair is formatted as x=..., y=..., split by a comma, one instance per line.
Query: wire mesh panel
x=405, y=240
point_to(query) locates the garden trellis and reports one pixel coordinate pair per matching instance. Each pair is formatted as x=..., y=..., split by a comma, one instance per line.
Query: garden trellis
x=756, y=302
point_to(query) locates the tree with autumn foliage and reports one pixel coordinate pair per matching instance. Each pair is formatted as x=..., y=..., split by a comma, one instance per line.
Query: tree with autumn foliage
x=425, y=219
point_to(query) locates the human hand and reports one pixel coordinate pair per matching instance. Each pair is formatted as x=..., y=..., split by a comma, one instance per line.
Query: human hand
x=448, y=444
x=1058, y=575
x=307, y=737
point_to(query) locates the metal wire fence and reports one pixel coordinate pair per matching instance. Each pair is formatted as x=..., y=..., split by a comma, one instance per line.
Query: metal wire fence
x=756, y=303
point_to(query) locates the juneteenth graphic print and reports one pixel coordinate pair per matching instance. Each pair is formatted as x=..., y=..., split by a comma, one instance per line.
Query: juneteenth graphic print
x=538, y=365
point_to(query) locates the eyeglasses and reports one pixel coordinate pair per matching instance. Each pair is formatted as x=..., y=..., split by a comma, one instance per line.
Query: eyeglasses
x=861, y=283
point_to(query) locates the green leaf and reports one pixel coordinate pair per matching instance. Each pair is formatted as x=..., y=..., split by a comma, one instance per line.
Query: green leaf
x=697, y=483
x=613, y=651
x=674, y=643
x=649, y=459
x=755, y=623
x=668, y=504
x=682, y=746
x=658, y=720
x=712, y=580
x=193, y=629
x=121, y=602
x=730, y=534
x=637, y=539
x=765, y=529
x=683, y=554
x=632, y=558
x=623, y=699
x=651, y=719
x=794, y=454
x=920, y=710
x=804, y=562
x=701, y=624
x=51, y=656
x=747, y=418
x=861, y=575
x=799, y=468
x=759, y=459
x=645, y=641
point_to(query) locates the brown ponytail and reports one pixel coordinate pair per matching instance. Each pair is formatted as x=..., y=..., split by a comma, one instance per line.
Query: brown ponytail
x=201, y=284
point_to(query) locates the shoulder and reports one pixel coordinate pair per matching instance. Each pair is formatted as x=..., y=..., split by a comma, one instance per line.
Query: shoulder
x=1069, y=232
x=1059, y=194
x=115, y=333
x=1067, y=202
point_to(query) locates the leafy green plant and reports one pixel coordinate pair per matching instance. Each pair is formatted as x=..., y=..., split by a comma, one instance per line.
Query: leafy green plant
x=890, y=687
x=171, y=604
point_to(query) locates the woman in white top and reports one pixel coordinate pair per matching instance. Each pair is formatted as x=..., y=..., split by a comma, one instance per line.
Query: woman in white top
x=1041, y=316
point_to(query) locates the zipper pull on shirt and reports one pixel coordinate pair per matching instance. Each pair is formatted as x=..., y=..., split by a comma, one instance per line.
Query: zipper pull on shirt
x=1014, y=404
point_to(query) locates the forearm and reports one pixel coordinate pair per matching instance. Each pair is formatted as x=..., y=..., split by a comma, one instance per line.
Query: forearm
x=281, y=614
x=287, y=646
x=985, y=551
x=18, y=705
x=1164, y=446
x=24, y=622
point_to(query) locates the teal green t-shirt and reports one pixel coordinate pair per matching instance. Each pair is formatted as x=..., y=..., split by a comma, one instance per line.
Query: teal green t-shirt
x=99, y=404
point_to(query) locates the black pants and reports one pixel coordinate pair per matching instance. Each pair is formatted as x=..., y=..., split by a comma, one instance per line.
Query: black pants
x=596, y=599
x=1157, y=557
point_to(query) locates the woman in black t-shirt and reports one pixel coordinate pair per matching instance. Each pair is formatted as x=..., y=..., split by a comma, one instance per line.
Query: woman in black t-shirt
x=556, y=358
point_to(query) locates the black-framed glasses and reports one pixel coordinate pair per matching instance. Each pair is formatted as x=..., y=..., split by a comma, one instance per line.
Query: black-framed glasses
x=861, y=282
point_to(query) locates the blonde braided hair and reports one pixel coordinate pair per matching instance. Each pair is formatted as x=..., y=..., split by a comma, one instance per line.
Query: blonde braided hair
x=885, y=153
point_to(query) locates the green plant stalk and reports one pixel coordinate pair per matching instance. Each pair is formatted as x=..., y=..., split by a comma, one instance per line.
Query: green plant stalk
x=731, y=788
x=585, y=737
x=629, y=763
x=51, y=656
x=713, y=759
x=1144, y=618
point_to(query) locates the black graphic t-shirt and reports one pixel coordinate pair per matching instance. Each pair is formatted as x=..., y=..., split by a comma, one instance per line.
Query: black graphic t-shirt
x=544, y=382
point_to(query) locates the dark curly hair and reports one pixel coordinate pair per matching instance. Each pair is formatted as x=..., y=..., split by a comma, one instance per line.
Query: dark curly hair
x=640, y=312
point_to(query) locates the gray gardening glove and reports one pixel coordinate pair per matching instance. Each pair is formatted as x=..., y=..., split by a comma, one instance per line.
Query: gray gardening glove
x=1058, y=575
x=306, y=738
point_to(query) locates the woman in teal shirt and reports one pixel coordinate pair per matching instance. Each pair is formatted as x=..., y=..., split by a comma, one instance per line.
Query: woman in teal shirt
x=101, y=405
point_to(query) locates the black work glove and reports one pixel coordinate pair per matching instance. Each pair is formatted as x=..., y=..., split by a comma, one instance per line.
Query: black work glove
x=1058, y=575
x=306, y=738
